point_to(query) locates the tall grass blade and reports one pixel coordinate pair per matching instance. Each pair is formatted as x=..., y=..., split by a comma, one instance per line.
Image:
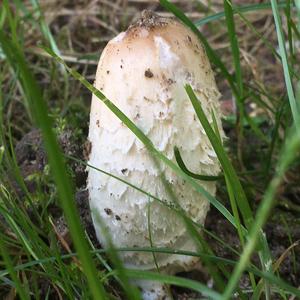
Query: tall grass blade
x=39, y=111
x=239, y=194
x=234, y=46
x=281, y=42
x=224, y=160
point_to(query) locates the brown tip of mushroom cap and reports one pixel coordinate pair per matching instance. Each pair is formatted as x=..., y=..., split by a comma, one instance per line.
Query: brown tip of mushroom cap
x=149, y=20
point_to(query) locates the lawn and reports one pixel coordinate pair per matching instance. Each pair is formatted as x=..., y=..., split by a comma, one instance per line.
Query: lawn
x=249, y=245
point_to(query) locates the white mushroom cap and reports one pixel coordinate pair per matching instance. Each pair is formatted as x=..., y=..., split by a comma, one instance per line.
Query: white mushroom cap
x=143, y=71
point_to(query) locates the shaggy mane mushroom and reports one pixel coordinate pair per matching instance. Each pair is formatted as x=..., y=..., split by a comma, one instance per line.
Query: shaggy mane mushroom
x=143, y=71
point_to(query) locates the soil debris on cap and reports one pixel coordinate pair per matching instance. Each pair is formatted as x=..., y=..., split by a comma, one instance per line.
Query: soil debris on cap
x=148, y=73
x=124, y=170
x=148, y=20
x=108, y=211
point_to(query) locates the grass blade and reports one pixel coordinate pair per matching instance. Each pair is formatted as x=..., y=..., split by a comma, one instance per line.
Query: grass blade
x=283, y=54
x=242, y=9
x=239, y=194
x=234, y=47
x=226, y=165
x=183, y=167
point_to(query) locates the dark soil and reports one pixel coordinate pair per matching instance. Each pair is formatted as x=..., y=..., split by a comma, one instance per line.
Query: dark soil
x=277, y=236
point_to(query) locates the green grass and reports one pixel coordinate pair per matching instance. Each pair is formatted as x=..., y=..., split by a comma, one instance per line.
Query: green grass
x=31, y=256
x=56, y=161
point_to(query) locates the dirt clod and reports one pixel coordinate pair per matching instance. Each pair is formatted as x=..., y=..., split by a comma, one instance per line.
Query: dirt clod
x=148, y=73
